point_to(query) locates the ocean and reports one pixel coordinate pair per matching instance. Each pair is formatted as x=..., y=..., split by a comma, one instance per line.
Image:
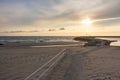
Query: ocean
x=34, y=39
x=39, y=39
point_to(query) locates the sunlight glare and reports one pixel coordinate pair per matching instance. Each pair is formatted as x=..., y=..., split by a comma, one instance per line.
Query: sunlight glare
x=87, y=21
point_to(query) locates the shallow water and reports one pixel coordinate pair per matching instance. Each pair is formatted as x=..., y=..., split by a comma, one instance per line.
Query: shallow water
x=113, y=43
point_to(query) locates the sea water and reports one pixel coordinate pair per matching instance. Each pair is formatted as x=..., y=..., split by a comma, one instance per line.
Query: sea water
x=113, y=43
x=34, y=39
x=39, y=39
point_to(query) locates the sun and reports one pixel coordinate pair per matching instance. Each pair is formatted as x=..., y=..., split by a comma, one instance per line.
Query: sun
x=87, y=21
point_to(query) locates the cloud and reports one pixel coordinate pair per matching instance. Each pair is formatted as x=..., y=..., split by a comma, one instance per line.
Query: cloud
x=15, y=15
x=25, y=12
x=62, y=29
x=75, y=10
x=20, y=31
x=107, y=10
x=51, y=30
x=57, y=29
x=28, y=12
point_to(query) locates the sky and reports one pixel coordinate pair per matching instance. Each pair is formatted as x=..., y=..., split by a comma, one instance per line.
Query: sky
x=59, y=17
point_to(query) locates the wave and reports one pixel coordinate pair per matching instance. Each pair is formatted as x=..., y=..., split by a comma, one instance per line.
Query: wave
x=34, y=39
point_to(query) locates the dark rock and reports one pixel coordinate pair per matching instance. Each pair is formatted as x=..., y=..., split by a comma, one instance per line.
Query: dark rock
x=1, y=44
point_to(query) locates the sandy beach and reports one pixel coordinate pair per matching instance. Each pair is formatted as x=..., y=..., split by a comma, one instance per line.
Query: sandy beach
x=59, y=39
x=19, y=60
x=81, y=63
x=89, y=63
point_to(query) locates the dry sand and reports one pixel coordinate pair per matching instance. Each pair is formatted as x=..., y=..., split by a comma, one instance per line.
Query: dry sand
x=89, y=63
x=18, y=61
x=81, y=63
